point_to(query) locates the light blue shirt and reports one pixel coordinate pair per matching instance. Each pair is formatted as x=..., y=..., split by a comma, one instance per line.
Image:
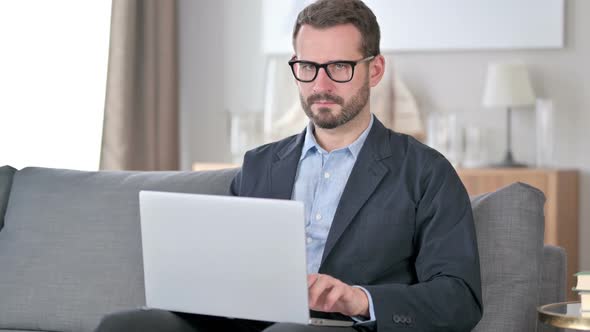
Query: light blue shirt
x=319, y=183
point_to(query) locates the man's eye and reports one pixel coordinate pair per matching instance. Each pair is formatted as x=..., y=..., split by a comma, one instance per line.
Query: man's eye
x=340, y=66
x=307, y=67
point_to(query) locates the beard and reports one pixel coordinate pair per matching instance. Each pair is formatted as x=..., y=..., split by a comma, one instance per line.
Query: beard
x=325, y=117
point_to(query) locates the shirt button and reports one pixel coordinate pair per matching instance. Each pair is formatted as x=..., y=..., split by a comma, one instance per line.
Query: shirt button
x=318, y=216
x=309, y=239
x=326, y=175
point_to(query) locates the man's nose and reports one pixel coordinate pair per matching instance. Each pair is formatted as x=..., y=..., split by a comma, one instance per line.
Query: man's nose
x=323, y=82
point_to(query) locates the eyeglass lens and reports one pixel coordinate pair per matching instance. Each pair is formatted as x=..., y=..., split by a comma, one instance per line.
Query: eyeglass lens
x=338, y=71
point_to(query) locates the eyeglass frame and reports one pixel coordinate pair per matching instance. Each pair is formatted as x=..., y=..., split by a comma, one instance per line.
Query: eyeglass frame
x=325, y=65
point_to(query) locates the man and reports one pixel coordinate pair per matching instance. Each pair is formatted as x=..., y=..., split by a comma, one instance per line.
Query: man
x=391, y=240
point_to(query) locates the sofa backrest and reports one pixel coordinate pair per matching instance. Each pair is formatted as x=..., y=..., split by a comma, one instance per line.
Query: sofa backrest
x=70, y=250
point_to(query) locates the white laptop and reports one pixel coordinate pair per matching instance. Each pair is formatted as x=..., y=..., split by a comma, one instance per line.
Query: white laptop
x=226, y=256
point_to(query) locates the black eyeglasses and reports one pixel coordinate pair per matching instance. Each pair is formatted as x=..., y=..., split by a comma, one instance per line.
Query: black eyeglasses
x=340, y=71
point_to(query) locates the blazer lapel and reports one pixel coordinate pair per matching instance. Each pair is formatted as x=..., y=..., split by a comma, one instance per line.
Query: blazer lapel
x=284, y=169
x=364, y=178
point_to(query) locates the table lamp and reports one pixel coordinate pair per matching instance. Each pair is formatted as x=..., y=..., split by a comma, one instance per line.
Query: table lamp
x=508, y=86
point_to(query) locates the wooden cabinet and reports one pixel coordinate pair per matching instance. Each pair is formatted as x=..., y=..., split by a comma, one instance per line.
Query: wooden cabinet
x=212, y=166
x=561, y=208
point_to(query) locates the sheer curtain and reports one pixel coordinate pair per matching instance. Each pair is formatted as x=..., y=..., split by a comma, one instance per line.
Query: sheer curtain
x=53, y=69
x=141, y=109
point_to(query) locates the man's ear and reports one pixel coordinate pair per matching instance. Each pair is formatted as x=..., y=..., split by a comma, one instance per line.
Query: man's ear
x=376, y=70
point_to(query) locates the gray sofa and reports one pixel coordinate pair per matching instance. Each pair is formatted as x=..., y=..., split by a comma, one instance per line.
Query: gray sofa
x=70, y=247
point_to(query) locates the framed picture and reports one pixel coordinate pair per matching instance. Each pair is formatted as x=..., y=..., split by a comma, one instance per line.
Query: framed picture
x=423, y=25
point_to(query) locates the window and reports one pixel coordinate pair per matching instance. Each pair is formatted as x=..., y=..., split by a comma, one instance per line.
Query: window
x=53, y=66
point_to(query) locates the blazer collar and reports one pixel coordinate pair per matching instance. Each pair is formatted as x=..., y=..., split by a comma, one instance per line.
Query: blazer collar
x=367, y=173
x=284, y=168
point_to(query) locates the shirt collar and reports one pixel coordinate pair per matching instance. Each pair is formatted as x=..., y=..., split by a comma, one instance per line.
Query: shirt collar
x=311, y=145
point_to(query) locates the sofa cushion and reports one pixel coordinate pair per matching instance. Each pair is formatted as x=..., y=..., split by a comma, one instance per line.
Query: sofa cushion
x=2, y=330
x=70, y=250
x=6, y=174
x=510, y=229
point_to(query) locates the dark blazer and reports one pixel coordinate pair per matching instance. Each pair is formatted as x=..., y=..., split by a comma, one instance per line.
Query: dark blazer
x=403, y=229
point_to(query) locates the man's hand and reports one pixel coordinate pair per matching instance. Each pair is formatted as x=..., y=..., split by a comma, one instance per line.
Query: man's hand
x=329, y=294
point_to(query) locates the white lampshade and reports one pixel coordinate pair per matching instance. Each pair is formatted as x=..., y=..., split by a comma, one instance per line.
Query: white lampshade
x=507, y=85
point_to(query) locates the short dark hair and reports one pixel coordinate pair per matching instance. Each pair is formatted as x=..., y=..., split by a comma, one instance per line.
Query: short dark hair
x=329, y=13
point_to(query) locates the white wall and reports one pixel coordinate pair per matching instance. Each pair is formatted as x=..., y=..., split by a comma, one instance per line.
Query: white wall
x=441, y=81
x=221, y=71
x=203, y=126
x=243, y=58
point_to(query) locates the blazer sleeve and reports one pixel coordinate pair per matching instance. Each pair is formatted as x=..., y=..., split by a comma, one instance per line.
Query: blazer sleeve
x=235, y=186
x=447, y=296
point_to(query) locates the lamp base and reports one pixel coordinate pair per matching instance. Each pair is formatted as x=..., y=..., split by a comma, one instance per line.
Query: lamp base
x=509, y=162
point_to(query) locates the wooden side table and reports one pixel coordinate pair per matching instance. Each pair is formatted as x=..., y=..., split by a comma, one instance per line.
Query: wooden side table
x=561, y=208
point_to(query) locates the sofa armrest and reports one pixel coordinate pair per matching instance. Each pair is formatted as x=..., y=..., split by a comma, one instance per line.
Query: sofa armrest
x=552, y=288
x=6, y=175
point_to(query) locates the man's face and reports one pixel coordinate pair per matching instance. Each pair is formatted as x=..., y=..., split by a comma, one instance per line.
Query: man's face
x=327, y=103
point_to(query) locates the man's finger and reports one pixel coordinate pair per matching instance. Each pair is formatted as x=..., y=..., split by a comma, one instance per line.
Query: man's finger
x=319, y=302
x=333, y=296
x=311, y=279
x=317, y=294
x=317, y=299
x=321, y=284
